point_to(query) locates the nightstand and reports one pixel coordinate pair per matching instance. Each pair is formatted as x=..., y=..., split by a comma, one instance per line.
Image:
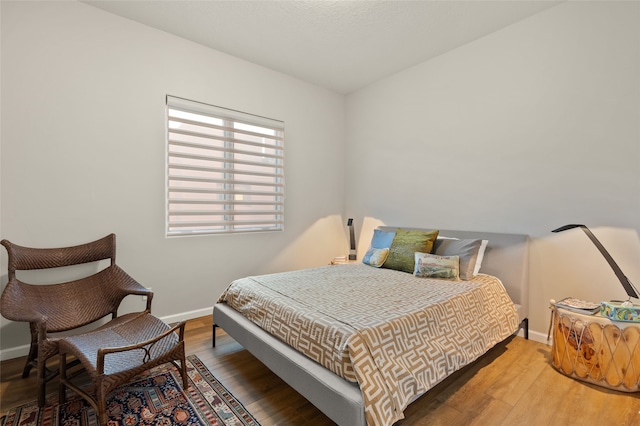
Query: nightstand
x=342, y=260
x=596, y=349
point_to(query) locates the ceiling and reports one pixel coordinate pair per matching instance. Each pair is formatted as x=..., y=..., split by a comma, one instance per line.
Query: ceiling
x=340, y=45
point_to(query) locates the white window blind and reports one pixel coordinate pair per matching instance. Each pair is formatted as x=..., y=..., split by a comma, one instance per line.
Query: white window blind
x=225, y=170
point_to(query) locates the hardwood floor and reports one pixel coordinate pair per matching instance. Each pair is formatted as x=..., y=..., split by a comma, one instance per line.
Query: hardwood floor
x=513, y=384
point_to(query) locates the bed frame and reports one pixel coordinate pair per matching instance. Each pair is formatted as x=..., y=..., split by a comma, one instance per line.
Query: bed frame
x=506, y=256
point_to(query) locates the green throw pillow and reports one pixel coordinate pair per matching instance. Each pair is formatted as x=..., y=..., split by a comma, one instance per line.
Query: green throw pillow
x=404, y=246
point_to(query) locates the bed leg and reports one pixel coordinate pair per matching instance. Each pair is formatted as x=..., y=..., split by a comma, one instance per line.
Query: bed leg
x=525, y=326
x=213, y=340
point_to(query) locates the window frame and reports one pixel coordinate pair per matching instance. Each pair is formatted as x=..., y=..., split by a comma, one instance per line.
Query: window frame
x=225, y=168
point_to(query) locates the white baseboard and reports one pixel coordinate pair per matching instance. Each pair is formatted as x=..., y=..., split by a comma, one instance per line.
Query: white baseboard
x=539, y=337
x=18, y=351
x=15, y=352
x=170, y=319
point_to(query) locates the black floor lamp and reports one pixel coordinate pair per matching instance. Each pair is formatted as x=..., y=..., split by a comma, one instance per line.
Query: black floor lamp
x=631, y=290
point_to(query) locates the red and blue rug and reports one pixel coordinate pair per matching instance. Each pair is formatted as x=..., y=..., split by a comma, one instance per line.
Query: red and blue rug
x=153, y=398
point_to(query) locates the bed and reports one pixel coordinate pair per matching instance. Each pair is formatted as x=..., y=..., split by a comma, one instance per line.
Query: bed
x=361, y=382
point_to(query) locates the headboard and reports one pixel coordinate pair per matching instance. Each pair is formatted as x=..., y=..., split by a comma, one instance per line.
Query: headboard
x=506, y=257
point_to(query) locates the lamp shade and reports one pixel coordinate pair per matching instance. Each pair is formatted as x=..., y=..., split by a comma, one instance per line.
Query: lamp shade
x=628, y=286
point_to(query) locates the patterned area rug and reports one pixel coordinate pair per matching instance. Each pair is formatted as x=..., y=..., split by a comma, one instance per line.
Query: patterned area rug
x=153, y=398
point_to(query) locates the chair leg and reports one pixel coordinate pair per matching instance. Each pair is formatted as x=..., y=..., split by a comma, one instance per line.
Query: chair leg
x=180, y=357
x=42, y=381
x=33, y=351
x=185, y=377
x=62, y=388
x=101, y=400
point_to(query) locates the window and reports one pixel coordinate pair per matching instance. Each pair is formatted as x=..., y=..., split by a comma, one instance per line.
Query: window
x=225, y=170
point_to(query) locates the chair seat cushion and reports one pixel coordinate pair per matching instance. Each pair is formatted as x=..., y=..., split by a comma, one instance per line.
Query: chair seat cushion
x=122, y=332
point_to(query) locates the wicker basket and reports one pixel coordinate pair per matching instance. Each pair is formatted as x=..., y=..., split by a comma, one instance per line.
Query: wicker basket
x=597, y=350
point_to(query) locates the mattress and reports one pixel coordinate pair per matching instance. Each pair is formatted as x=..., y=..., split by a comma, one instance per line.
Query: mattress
x=394, y=334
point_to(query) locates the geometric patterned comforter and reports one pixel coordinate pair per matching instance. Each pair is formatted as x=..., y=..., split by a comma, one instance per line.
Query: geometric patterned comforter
x=394, y=334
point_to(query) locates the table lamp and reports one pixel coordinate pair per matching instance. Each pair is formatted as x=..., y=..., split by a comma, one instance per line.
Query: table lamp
x=352, y=240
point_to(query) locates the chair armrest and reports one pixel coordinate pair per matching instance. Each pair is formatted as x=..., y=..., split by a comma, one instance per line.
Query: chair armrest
x=13, y=308
x=24, y=312
x=143, y=291
x=127, y=285
x=18, y=313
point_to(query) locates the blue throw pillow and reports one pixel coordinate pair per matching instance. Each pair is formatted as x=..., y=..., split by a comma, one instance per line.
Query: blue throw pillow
x=375, y=257
x=382, y=239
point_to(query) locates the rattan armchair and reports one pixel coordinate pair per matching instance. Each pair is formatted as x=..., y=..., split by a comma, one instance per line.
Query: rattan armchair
x=52, y=308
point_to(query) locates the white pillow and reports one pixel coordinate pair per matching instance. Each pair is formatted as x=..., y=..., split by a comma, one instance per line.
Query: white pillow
x=483, y=246
x=470, y=252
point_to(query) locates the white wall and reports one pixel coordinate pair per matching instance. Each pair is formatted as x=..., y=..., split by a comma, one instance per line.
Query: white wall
x=83, y=151
x=527, y=129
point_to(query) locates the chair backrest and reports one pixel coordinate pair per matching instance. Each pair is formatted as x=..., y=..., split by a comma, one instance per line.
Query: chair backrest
x=29, y=258
x=65, y=305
